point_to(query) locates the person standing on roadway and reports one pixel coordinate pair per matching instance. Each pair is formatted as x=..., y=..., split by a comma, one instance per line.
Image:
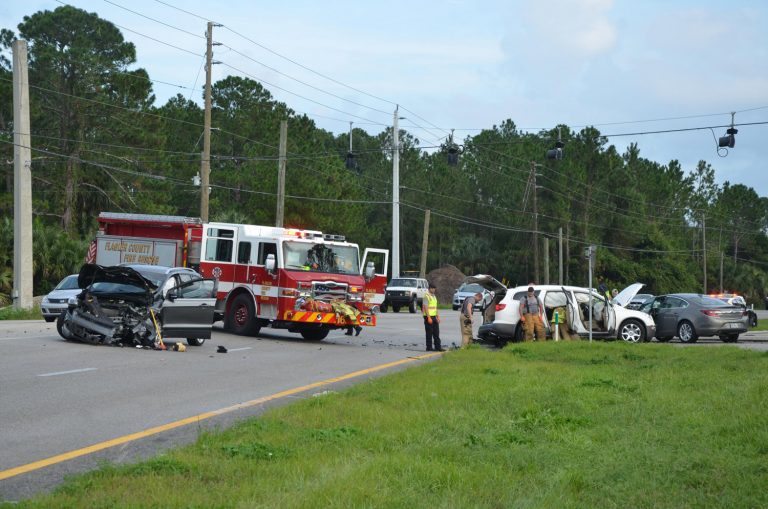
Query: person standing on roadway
x=431, y=319
x=531, y=314
x=465, y=317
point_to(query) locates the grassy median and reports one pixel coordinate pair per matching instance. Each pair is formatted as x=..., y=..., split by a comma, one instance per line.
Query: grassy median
x=567, y=424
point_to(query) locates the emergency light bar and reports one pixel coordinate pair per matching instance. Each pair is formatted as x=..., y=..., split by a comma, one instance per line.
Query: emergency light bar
x=340, y=238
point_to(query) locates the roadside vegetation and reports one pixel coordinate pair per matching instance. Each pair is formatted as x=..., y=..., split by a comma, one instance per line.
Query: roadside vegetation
x=118, y=149
x=567, y=424
x=9, y=313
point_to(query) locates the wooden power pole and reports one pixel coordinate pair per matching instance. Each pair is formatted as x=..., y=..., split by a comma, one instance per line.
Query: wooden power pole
x=22, y=181
x=424, y=245
x=281, y=174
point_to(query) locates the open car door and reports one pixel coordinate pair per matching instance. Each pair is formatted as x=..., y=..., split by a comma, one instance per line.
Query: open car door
x=375, y=282
x=574, y=323
x=187, y=309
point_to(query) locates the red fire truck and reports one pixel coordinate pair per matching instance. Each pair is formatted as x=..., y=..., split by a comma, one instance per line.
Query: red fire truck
x=301, y=280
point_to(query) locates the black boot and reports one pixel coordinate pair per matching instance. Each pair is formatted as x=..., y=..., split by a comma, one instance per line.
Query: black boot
x=349, y=332
x=358, y=330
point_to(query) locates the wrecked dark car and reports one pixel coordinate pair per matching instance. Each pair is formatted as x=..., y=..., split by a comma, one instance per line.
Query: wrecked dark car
x=139, y=305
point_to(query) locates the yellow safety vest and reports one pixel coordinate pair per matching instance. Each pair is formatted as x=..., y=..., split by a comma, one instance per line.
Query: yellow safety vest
x=431, y=304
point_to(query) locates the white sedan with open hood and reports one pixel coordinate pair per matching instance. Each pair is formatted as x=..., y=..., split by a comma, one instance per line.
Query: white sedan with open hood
x=610, y=319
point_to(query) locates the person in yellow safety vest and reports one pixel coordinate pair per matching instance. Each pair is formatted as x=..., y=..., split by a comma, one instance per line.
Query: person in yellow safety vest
x=560, y=324
x=431, y=319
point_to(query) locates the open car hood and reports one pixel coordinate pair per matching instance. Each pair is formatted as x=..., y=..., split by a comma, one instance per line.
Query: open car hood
x=626, y=295
x=487, y=282
x=91, y=273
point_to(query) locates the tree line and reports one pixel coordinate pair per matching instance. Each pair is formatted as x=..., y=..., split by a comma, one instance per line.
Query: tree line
x=100, y=143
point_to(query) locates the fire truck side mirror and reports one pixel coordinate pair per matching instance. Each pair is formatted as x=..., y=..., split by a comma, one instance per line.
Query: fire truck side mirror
x=369, y=270
x=270, y=263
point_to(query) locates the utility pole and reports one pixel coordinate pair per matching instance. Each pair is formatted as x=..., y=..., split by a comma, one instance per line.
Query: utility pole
x=281, y=174
x=22, y=181
x=396, y=196
x=721, y=272
x=205, y=163
x=546, y=260
x=535, y=227
x=424, y=244
x=704, y=247
x=560, y=255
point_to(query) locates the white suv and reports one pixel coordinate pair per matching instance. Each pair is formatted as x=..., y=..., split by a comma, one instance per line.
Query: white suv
x=404, y=291
x=610, y=319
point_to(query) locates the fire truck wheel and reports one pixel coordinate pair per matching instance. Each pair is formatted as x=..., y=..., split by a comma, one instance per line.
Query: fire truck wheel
x=195, y=341
x=241, y=318
x=314, y=335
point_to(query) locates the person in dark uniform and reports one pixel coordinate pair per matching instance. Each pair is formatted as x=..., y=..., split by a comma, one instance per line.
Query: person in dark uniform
x=465, y=317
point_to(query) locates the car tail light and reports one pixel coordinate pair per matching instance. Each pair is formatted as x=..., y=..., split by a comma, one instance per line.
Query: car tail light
x=711, y=312
x=744, y=313
x=499, y=307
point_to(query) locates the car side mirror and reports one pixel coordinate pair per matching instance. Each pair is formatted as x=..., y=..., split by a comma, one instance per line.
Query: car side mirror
x=369, y=270
x=270, y=263
x=172, y=294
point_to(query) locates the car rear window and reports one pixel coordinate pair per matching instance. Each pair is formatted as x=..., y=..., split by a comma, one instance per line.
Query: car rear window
x=709, y=301
x=69, y=283
x=408, y=283
x=472, y=287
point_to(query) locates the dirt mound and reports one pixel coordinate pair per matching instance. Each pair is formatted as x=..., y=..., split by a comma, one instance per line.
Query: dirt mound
x=447, y=278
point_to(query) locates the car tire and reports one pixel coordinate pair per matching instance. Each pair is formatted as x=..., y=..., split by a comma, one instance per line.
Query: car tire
x=412, y=306
x=241, y=318
x=632, y=331
x=519, y=333
x=195, y=341
x=753, y=319
x=664, y=339
x=63, y=332
x=49, y=319
x=455, y=308
x=395, y=309
x=383, y=308
x=729, y=338
x=314, y=334
x=686, y=332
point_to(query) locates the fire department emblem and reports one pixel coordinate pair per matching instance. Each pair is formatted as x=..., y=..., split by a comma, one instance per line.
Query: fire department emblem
x=216, y=272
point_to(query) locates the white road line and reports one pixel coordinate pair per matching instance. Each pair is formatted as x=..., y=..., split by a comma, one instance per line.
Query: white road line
x=68, y=372
x=239, y=349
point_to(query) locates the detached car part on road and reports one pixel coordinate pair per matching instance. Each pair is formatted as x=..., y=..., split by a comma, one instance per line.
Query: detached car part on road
x=610, y=319
x=139, y=305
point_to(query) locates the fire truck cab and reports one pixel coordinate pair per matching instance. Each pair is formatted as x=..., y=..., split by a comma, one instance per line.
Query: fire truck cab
x=301, y=280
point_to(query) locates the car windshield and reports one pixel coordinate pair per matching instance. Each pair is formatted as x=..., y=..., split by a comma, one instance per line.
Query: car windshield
x=117, y=288
x=324, y=257
x=471, y=288
x=68, y=283
x=407, y=283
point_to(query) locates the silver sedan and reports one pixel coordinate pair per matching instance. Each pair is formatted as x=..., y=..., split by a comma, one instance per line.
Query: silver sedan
x=690, y=316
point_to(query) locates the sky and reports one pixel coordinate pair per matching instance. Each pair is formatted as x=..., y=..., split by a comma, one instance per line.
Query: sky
x=623, y=66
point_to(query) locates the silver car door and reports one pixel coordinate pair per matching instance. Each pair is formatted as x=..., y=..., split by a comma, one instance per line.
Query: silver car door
x=187, y=310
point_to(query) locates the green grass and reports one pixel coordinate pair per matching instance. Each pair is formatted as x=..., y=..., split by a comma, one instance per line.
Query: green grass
x=559, y=425
x=9, y=313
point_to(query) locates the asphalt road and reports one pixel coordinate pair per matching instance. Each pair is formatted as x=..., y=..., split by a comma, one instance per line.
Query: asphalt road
x=57, y=397
x=66, y=406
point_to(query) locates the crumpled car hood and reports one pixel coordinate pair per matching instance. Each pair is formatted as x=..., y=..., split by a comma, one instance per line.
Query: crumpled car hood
x=91, y=273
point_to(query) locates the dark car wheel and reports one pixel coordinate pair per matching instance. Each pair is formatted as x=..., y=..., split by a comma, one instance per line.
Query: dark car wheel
x=49, y=319
x=383, y=308
x=241, y=318
x=519, y=333
x=632, y=331
x=61, y=328
x=395, y=309
x=729, y=338
x=752, y=319
x=412, y=306
x=686, y=332
x=314, y=335
x=455, y=308
x=195, y=341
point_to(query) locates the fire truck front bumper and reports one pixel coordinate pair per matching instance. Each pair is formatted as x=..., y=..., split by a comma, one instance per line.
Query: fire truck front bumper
x=332, y=319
